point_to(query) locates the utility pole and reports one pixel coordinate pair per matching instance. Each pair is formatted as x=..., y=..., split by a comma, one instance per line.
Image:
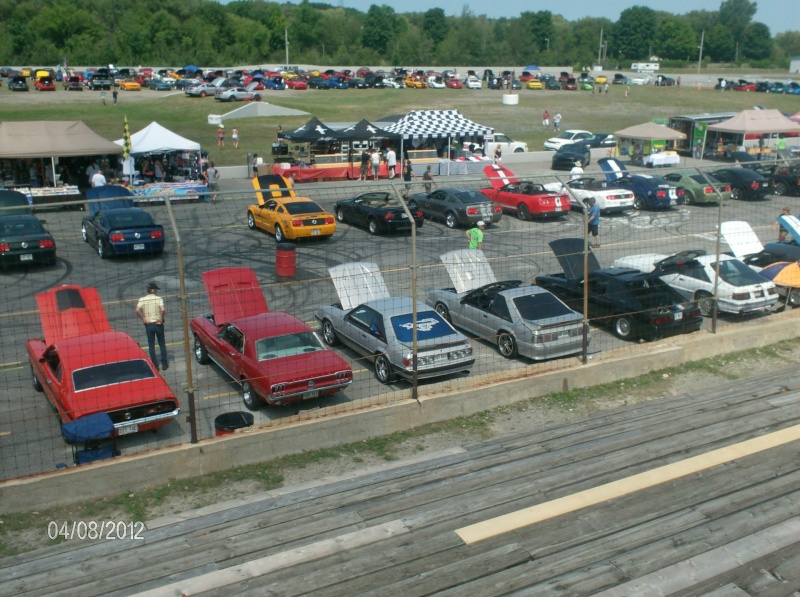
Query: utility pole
x=286, y=41
x=700, y=59
x=600, y=48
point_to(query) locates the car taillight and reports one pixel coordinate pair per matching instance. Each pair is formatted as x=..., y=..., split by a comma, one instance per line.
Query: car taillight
x=297, y=223
x=661, y=194
x=329, y=220
x=755, y=184
x=5, y=247
x=471, y=211
x=708, y=190
x=660, y=319
x=727, y=188
x=46, y=243
x=156, y=234
x=389, y=216
x=681, y=192
x=495, y=209
x=419, y=213
x=116, y=237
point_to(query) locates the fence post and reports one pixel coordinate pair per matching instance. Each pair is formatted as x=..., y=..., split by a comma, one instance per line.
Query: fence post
x=718, y=249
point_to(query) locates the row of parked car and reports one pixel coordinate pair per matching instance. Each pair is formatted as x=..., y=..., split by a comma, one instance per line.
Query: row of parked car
x=792, y=87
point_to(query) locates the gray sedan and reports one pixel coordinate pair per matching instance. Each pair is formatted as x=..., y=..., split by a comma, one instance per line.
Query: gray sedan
x=233, y=94
x=202, y=90
x=457, y=207
x=522, y=320
x=380, y=327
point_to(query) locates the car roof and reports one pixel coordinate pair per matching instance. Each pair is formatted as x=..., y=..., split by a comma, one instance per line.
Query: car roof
x=95, y=349
x=234, y=292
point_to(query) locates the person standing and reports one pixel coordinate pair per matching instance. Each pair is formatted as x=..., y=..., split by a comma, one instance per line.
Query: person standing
x=391, y=162
x=428, y=178
x=605, y=87
x=577, y=171
x=782, y=231
x=150, y=309
x=280, y=134
x=221, y=137
x=114, y=96
x=546, y=120
x=498, y=154
x=475, y=235
x=235, y=137
x=212, y=180
x=408, y=174
x=593, y=221
x=556, y=121
x=722, y=85
x=363, y=172
x=376, y=163
x=90, y=170
x=158, y=171
x=98, y=179
x=255, y=165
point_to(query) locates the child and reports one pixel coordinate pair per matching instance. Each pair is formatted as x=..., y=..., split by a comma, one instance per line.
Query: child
x=782, y=232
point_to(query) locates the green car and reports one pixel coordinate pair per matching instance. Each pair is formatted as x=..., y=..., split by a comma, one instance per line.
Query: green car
x=698, y=189
x=586, y=84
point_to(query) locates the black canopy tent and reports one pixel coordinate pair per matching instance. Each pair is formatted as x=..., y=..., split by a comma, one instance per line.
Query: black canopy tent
x=312, y=131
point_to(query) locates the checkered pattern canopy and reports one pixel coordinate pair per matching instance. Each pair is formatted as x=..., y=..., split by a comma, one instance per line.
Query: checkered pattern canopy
x=437, y=124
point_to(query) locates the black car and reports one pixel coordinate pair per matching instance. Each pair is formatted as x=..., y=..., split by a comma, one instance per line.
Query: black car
x=17, y=84
x=571, y=154
x=495, y=83
x=457, y=207
x=785, y=179
x=318, y=83
x=374, y=81
x=357, y=83
x=619, y=79
x=552, y=84
x=745, y=183
x=634, y=304
x=602, y=140
x=116, y=227
x=23, y=239
x=377, y=211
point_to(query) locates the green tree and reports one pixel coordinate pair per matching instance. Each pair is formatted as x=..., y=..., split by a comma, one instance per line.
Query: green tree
x=435, y=25
x=736, y=15
x=675, y=39
x=719, y=45
x=379, y=27
x=635, y=31
x=788, y=43
x=757, y=42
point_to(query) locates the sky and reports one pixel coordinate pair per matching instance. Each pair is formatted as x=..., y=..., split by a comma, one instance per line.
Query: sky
x=778, y=15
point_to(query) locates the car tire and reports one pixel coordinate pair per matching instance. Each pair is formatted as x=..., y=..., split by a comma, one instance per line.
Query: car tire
x=442, y=310
x=623, y=328
x=200, y=352
x=780, y=188
x=278, y=234
x=101, y=249
x=522, y=212
x=372, y=226
x=736, y=193
x=84, y=234
x=251, y=221
x=507, y=345
x=794, y=297
x=450, y=220
x=329, y=333
x=257, y=97
x=340, y=214
x=37, y=385
x=688, y=199
x=705, y=302
x=383, y=369
x=202, y=94
x=638, y=202
x=249, y=397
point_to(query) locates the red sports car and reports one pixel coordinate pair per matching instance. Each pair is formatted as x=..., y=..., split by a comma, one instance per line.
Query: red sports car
x=275, y=357
x=526, y=199
x=296, y=83
x=45, y=84
x=453, y=83
x=84, y=367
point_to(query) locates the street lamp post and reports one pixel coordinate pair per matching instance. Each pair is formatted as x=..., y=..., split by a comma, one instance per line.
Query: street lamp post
x=700, y=59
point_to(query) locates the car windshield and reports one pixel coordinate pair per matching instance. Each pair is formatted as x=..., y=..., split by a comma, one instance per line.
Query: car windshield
x=736, y=273
x=429, y=325
x=303, y=207
x=467, y=197
x=542, y=305
x=129, y=219
x=289, y=345
x=566, y=134
x=20, y=228
x=111, y=374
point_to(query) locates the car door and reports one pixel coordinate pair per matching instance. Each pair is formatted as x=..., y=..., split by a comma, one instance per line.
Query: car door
x=96, y=225
x=690, y=280
x=363, y=331
x=229, y=346
x=604, y=297
x=51, y=375
x=479, y=316
x=266, y=215
x=357, y=212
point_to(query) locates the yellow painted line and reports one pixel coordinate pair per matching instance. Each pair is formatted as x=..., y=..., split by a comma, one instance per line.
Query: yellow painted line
x=223, y=395
x=591, y=497
x=10, y=363
x=2, y=433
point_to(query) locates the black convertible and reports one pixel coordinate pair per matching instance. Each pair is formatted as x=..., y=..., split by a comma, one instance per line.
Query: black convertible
x=377, y=211
x=632, y=303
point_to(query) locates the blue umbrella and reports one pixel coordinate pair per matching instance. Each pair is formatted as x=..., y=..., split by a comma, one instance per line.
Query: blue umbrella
x=258, y=76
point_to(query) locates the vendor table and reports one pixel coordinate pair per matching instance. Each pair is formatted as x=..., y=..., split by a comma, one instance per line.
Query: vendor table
x=337, y=172
x=48, y=195
x=177, y=191
x=661, y=159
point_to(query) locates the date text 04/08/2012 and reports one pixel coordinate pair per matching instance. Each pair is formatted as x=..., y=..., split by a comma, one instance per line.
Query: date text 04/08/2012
x=107, y=530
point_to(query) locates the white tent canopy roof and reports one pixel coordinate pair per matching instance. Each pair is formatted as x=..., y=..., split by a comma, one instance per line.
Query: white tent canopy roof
x=438, y=124
x=757, y=121
x=154, y=138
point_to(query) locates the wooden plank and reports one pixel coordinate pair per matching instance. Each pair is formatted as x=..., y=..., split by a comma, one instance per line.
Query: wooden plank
x=728, y=590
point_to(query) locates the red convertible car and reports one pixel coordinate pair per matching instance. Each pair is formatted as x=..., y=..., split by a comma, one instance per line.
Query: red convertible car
x=275, y=357
x=84, y=367
x=296, y=83
x=526, y=199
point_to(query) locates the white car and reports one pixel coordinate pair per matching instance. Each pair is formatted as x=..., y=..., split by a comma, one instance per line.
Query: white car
x=569, y=136
x=389, y=82
x=436, y=83
x=740, y=289
x=640, y=80
x=472, y=82
x=609, y=198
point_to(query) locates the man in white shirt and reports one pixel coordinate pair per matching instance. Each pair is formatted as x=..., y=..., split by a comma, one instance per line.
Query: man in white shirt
x=391, y=162
x=98, y=179
x=576, y=171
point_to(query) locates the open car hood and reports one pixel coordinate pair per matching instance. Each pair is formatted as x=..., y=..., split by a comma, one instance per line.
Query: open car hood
x=741, y=239
x=234, y=292
x=357, y=283
x=499, y=176
x=613, y=168
x=792, y=224
x=110, y=196
x=468, y=269
x=569, y=252
x=71, y=311
x=273, y=187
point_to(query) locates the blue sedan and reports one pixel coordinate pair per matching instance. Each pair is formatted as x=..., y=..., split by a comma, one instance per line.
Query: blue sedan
x=649, y=192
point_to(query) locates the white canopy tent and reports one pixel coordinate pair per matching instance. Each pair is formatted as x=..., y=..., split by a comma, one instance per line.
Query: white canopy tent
x=155, y=138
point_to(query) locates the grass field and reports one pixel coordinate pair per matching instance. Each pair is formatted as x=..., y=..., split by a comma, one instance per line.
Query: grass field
x=188, y=116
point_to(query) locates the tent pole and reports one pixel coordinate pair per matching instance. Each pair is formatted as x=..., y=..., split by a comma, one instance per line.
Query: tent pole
x=53, y=169
x=448, y=156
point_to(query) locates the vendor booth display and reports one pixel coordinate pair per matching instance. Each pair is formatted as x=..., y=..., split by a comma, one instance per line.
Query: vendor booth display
x=649, y=144
x=757, y=131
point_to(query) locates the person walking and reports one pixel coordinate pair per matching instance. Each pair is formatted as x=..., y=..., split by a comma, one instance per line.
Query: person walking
x=114, y=96
x=498, y=154
x=475, y=235
x=150, y=309
x=375, y=158
x=255, y=165
x=391, y=162
x=546, y=120
x=556, y=121
x=428, y=178
x=593, y=221
x=221, y=137
x=408, y=174
x=212, y=181
x=103, y=97
x=235, y=137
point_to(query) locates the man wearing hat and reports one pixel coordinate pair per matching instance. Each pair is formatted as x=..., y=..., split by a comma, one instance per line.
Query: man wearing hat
x=475, y=235
x=150, y=310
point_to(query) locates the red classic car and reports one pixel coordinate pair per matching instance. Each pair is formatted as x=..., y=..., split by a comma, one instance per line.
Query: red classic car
x=453, y=83
x=297, y=83
x=85, y=367
x=526, y=199
x=45, y=84
x=275, y=357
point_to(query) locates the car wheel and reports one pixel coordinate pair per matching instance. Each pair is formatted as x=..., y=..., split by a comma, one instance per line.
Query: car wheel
x=442, y=310
x=450, y=220
x=519, y=150
x=373, y=226
x=200, y=352
x=257, y=97
x=84, y=234
x=522, y=212
x=383, y=370
x=340, y=214
x=202, y=94
x=705, y=302
x=780, y=188
x=623, y=328
x=37, y=385
x=279, y=234
x=328, y=333
x=507, y=345
x=101, y=249
x=688, y=199
x=249, y=397
x=638, y=202
x=251, y=221
x=736, y=193
x=794, y=297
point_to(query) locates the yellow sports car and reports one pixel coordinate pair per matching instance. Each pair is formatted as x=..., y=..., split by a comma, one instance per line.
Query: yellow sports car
x=535, y=84
x=415, y=83
x=130, y=85
x=601, y=79
x=282, y=213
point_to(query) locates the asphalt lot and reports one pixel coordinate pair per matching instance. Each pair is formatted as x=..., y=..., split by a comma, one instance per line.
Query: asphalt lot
x=215, y=236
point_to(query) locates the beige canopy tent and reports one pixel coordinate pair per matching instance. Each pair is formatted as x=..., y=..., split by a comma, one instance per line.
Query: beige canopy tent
x=757, y=121
x=650, y=131
x=646, y=143
x=51, y=139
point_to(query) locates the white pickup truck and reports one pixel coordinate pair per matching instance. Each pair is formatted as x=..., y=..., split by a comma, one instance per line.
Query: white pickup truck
x=504, y=141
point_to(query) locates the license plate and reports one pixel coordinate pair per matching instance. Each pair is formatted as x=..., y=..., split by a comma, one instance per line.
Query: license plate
x=126, y=429
x=678, y=316
x=672, y=194
x=26, y=257
x=315, y=232
x=311, y=394
x=138, y=247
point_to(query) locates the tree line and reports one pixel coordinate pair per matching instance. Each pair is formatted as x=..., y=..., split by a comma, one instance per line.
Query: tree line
x=204, y=32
